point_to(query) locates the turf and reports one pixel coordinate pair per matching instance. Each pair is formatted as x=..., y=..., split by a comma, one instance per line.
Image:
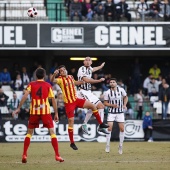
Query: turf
x=90, y=156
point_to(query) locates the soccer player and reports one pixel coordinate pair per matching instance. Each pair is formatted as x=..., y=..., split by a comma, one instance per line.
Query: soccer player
x=115, y=99
x=71, y=101
x=40, y=92
x=85, y=74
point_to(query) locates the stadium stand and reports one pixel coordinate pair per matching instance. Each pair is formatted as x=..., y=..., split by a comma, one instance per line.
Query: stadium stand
x=11, y=10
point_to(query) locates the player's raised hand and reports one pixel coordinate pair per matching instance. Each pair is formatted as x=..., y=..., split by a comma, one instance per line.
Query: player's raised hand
x=102, y=79
x=56, y=71
x=102, y=65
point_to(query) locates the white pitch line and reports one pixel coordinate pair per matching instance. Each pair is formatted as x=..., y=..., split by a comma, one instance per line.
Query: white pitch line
x=91, y=162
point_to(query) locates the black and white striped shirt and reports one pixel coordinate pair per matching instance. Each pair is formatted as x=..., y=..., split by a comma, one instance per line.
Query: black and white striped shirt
x=85, y=72
x=115, y=97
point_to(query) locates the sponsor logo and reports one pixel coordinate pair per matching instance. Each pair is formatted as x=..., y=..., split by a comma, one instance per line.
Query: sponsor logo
x=129, y=35
x=133, y=129
x=17, y=132
x=67, y=35
x=11, y=35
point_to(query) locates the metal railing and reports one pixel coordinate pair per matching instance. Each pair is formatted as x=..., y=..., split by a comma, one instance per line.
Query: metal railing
x=50, y=12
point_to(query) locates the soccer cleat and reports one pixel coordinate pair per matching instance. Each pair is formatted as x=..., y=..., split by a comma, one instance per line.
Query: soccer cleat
x=107, y=150
x=24, y=159
x=84, y=128
x=120, y=149
x=58, y=158
x=73, y=146
x=103, y=130
x=103, y=126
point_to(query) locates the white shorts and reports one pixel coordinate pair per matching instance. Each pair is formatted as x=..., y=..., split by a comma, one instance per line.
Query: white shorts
x=116, y=117
x=88, y=95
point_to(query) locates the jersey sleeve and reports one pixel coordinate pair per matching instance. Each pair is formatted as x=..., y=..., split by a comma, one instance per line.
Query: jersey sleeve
x=58, y=81
x=28, y=88
x=124, y=93
x=106, y=96
x=81, y=73
x=51, y=93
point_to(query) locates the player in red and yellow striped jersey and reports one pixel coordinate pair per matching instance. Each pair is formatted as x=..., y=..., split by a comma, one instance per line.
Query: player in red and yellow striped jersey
x=68, y=87
x=40, y=92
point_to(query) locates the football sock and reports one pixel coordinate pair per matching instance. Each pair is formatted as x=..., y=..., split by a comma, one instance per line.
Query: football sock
x=70, y=133
x=54, y=143
x=96, y=114
x=108, y=136
x=26, y=143
x=101, y=112
x=88, y=116
x=121, y=138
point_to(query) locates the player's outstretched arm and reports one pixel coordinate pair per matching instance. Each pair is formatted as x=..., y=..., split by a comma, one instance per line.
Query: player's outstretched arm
x=92, y=81
x=98, y=67
x=77, y=83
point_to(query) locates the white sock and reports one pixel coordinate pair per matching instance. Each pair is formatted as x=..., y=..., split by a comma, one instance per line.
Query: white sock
x=88, y=116
x=108, y=136
x=121, y=138
x=101, y=112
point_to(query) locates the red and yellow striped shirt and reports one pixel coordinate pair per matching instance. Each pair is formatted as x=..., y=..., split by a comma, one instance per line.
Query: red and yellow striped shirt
x=68, y=88
x=41, y=91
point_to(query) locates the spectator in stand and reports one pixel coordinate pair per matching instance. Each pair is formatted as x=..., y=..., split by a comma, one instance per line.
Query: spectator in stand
x=5, y=77
x=143, y=9
x=147, y=126
x=18, y=85
x=25, y=76
x=3, y=101
x=61, y=107
x=145, y=84
x=165, y=10
x=155, y=71
x=87, y=10
x=13, y=104
x=139, y=98
x=162, y=83
x=75, y=10
x=99, y=11
x=81, y=114
x=164, y=97
x=153, y=88
x=122, y=10
x=109, y=11
x=154, y=10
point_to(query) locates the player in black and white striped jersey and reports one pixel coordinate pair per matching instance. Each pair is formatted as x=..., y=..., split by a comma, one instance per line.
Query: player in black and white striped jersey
x=115, y=99
x=85, y=74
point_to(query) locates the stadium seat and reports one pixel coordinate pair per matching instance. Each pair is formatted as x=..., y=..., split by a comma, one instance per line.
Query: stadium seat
x=9, y=94
x=6, y=88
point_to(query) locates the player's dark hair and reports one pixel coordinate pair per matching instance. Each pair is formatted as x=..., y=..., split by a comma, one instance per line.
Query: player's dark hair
x=61, y=66
x=40, y=73
x=113, y=79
